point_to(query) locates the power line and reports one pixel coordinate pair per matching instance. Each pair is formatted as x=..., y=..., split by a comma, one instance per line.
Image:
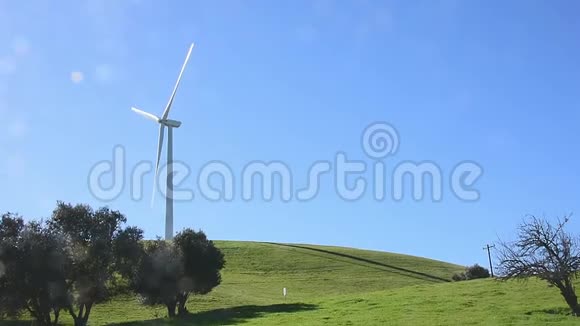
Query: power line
x=488, y=247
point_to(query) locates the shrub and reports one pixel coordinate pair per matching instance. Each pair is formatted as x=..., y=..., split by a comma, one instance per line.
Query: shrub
x=475, y=272
x=458, y=277
x=471, y=273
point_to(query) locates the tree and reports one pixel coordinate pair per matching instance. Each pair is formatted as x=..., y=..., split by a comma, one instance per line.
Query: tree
x=158, y=275
x=128, y=251
x=202, y=265
x=99, y=247
x=546, y=251
x=472, y=273
x=10, y=226
x=171, y=271
x=66, y=264
x=33, y=272
x=475, y=272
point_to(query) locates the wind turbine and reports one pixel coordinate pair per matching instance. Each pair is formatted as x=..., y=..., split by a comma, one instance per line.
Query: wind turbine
x=163, y=122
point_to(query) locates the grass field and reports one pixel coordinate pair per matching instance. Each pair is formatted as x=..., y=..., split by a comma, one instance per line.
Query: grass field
x=342, y=286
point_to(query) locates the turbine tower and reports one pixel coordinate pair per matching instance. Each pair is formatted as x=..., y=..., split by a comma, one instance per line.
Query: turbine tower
x=163, y=122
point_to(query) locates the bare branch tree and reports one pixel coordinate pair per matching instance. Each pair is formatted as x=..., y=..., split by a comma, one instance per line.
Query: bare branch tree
x=546, y=251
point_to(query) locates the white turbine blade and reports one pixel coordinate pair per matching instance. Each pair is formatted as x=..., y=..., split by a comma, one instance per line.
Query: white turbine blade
x=146, y=114
x=168, y=107
x=159, y=149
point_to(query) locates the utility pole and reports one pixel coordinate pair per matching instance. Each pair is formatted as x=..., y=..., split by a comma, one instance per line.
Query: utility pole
x=487, y=247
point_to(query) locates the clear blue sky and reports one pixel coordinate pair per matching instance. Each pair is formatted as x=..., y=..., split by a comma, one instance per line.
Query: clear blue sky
x=490, y=81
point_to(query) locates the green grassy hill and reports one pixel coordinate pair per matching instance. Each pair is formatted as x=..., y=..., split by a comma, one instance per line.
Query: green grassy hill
x=257, y=272
x=342, y=286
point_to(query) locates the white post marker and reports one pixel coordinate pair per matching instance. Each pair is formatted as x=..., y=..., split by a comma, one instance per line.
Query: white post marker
x=285, y=292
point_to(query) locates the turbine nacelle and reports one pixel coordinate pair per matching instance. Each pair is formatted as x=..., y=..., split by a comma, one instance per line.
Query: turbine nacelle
x=170, y=123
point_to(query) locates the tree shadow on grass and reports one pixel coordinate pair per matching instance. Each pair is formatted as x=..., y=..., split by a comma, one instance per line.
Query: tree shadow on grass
x=564, y=311
x=227, y=316
x=381, y=266
x=15, y=322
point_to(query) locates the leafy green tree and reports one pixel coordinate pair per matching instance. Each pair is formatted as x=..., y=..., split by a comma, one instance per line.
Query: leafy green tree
x=128, y=251
x=202, y=262
x=34, y=264
x=476, y=271
x=67, y=264
x=471, y=273
x=99, y=247
x=10, y=226
x=158, y=275
x=172, y=271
